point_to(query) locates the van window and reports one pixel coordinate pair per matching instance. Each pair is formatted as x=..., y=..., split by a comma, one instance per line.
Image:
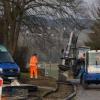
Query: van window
x=3, y=49
x=5, y=57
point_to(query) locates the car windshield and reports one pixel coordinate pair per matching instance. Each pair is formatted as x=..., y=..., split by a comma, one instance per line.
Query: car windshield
x=5, y=57
x=94, y=58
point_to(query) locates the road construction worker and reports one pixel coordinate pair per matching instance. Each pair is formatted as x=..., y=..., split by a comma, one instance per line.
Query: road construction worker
x=34, y=66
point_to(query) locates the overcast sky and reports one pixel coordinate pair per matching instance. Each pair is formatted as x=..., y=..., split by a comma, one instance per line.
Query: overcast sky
x=91, y=7
x=91, y=2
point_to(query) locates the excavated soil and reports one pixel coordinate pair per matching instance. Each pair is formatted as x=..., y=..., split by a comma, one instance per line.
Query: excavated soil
x=41, y=81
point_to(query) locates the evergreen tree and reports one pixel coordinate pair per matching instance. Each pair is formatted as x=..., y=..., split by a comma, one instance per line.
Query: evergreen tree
x=94, y=37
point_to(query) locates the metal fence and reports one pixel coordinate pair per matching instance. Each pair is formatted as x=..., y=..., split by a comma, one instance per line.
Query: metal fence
x=49, y=69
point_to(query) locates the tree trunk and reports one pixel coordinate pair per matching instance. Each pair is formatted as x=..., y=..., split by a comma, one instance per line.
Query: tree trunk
x=11, y=26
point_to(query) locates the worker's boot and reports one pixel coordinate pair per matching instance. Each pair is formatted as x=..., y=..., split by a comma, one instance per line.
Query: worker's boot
x=31, y=77
x=36, y=77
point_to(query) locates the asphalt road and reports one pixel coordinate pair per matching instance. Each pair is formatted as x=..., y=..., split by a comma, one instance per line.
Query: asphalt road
x=93, y=93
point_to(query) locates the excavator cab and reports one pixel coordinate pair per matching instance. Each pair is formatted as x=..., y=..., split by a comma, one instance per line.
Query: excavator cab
x=80, y=61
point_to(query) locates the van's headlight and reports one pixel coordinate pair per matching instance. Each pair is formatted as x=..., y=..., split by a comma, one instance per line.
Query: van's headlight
x=18, y=70
x=1, y=70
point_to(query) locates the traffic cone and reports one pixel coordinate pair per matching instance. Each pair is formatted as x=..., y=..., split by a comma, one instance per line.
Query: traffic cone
x=1, y=84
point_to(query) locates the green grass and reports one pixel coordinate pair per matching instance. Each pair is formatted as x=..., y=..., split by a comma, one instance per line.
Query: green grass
x=22, y=75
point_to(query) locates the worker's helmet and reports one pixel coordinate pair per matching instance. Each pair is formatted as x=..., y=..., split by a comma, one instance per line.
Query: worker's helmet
x=34, y=54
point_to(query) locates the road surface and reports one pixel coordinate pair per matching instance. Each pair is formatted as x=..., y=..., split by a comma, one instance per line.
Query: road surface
x=93, y=93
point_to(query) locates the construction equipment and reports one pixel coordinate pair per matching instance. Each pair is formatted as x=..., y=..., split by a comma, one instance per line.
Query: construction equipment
x=79, y=63
x=68, y=56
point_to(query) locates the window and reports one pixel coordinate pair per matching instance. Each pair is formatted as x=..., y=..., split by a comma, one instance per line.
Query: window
x=94, y=58
x=5, y=57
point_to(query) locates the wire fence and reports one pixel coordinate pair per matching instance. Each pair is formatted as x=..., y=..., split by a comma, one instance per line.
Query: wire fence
x=49, y=69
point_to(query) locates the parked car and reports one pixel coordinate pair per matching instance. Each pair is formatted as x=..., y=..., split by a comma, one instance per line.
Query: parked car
x=8, y=67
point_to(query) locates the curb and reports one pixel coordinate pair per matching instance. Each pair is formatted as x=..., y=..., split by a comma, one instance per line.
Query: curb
x=71, y=96
x=51, y=91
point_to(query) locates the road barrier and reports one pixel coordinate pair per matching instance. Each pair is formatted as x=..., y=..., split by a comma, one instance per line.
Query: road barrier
x=1, y=85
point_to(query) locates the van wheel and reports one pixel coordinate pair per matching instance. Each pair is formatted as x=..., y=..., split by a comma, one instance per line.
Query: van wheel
x=84, y=84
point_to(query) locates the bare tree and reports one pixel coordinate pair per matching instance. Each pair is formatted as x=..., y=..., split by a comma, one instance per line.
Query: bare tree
x=13, y=13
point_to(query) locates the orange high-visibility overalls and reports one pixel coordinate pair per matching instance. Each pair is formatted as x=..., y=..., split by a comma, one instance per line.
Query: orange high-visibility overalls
x=33, y=66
